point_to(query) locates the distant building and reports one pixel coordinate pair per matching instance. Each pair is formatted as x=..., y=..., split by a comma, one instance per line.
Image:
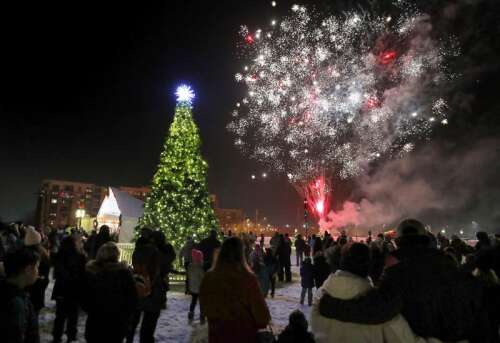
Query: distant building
x=58, y=201
x=229, y=218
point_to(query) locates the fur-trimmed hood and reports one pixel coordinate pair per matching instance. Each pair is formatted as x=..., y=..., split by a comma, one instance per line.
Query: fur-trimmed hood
x=345, y=285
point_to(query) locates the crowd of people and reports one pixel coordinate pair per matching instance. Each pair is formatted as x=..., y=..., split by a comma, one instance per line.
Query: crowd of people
x=416, y=287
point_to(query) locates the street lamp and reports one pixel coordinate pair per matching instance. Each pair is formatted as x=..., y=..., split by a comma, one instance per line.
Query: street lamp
x=79, y=214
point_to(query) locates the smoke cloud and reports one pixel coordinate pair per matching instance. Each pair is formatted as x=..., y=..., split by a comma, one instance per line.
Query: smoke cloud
x=442, y=185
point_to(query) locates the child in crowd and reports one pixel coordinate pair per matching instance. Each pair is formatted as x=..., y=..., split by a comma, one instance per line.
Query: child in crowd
x=306, y=281
x=296, y=330
x=195, y=274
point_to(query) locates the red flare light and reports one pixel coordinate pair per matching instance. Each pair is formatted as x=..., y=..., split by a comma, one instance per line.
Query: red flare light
x=316, y=195
x=371, y=103
x=249, y=39
x=320, y=207
x=387, y=57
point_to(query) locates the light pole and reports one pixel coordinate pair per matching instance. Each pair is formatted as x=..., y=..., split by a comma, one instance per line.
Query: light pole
x=79, y=214
x=305, y=216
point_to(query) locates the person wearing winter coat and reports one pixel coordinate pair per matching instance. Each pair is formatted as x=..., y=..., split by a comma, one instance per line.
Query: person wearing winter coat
x=109, y=297
x=33, y=240
x=153, y=304
x=320, y=269
x=146, y=269
x=296, y=330
x=231, y=298
x=258, y=266
x=18, y=319
x=185, y=253
x=300, y=245
x=283, y=253
x=208, y=247
x=54, y=241
x=274, y=242
x=307, y=250
x=422, y=284
x=195, y=276
x=306, y=281
x=185, y=259
x=350, y=281
x=271, y=266
x=103, y=237
x=69, y=272
x=89, y=245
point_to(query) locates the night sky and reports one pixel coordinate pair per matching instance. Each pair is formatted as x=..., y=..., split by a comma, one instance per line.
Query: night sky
x=87, y=93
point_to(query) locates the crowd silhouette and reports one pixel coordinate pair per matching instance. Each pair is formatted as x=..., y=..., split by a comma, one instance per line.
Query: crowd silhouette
x=414, y=287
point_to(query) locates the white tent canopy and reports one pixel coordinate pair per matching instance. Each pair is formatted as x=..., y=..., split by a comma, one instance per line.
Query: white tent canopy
x=121, y=212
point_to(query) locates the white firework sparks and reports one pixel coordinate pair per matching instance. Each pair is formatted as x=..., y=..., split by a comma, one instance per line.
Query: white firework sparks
x=338, y=92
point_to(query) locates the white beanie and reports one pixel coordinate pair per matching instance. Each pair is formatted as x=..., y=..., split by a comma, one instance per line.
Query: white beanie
x=32, y=237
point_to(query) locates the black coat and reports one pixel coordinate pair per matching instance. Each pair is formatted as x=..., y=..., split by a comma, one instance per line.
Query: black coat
x=306, y=274
x=69, y=273
x=271, y=263
x=425, y=286
x=289, y=335
x=321, y=270
x=157, y=300
x=18, y=319
x=207, y=247
x=283, y=253
x=300, y=244
x=110, y=299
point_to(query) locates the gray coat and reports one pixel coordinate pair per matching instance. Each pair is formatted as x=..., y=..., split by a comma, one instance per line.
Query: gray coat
x=195, y=275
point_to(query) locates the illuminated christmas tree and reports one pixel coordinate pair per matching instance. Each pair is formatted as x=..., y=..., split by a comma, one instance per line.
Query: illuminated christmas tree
x=179, y=202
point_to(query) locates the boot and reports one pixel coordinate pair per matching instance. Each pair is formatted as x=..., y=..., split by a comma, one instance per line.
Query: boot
x=190, y=316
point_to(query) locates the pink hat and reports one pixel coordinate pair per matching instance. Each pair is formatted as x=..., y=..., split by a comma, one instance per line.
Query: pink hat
x=196, y=256
x=32, y=237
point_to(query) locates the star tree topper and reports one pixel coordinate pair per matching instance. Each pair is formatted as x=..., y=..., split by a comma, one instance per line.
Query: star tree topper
x=185, y=94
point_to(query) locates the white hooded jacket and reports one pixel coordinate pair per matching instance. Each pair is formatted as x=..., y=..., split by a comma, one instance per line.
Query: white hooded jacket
x=345, y=285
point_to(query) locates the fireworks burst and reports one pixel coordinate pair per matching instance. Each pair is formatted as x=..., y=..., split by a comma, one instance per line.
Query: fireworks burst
x=338, y=92
x=316, y=195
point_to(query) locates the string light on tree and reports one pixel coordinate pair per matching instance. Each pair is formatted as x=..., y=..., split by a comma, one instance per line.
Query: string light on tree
x=179, y=203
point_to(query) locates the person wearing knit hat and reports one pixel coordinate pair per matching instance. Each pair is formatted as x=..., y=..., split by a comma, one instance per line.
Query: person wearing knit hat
x=33, y=240
x=32, y=237
x=195, y=273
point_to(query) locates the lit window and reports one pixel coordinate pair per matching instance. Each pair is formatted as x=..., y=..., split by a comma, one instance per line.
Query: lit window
x=53, y=201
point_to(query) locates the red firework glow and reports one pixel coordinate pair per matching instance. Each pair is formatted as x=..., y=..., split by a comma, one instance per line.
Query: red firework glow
x=249, y=39
x=387, y=56
x=371, y=103
x=320, y=207
x=316, y=195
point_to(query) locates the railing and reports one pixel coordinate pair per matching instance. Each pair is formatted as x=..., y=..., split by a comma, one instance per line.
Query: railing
x=127, y=249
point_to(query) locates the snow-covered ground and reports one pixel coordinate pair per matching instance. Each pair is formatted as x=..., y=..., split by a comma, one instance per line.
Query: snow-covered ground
x=173, y=325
